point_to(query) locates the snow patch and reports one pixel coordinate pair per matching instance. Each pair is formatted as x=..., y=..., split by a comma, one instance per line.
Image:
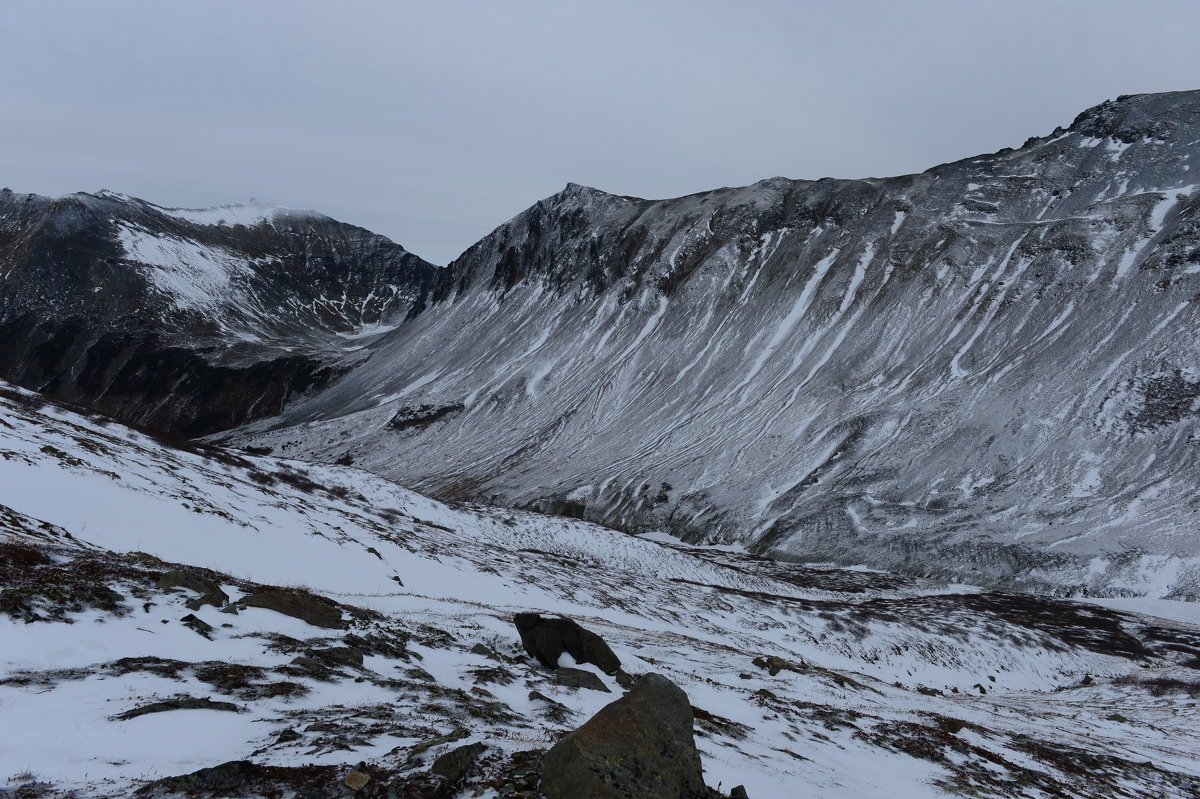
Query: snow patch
x=193, y=276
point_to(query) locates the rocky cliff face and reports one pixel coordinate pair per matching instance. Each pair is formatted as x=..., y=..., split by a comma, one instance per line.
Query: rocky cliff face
x=190, y=321
x=988, y=371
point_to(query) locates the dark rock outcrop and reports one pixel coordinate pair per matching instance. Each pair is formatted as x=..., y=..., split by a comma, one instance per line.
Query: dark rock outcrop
x=337, y=655
x=194, y=622
x=546, y=638
x=455, y=735
x=210, y=593
x=638, y=747
x=287, y=736
x=455, y=764
x=315, y=610
x=773, y=664
x=245, y=778
x=227, y=777
x=578, y=678
x=183, y=703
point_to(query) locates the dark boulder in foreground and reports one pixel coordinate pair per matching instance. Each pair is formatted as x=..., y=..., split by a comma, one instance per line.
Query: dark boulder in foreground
x=547, y=637
x=638, y=747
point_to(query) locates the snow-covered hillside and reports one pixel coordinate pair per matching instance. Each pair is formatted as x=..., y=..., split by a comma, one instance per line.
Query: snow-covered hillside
x=988, y=371
x=806, y=681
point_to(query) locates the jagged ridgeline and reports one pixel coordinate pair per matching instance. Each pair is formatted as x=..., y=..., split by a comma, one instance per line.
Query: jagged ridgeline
x=988, y=371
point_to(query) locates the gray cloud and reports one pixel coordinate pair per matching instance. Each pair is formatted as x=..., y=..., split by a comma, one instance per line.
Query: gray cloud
x=432, y=123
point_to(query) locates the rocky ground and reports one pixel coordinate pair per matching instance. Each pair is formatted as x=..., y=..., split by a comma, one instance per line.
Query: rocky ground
x=195, y=621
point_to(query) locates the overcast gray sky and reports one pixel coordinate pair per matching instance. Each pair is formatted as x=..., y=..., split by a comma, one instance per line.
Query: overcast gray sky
x=434, y=122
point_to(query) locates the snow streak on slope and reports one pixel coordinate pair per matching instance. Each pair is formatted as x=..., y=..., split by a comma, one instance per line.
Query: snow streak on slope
x=986, y=372
x=936, y=687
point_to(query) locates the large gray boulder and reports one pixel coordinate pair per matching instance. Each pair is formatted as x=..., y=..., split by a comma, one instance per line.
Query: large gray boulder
x=638, y=747
x=547, y=637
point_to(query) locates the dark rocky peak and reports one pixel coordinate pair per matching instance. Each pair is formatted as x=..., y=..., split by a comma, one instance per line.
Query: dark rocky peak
x=1131, y=118
x=248, y=261
x=14, y=203
x=585, y=240
x=23, y=214
x=534, y=243
x=604, y=233
x=580, y=192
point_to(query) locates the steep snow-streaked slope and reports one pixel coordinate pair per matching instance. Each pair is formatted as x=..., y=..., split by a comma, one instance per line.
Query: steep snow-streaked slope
x=889, y=685
x=987, y=371
x=190, y=321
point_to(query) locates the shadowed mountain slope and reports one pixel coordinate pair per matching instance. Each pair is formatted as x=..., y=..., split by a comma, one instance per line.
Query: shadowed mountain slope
x=190, y=321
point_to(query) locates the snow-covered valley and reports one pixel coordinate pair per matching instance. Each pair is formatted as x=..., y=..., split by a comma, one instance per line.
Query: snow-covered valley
x=831, y=682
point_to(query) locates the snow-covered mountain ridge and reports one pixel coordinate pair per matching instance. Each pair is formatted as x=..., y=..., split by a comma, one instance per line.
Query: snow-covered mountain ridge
x=835, y=683
x=987, y=371
x=190, y=321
